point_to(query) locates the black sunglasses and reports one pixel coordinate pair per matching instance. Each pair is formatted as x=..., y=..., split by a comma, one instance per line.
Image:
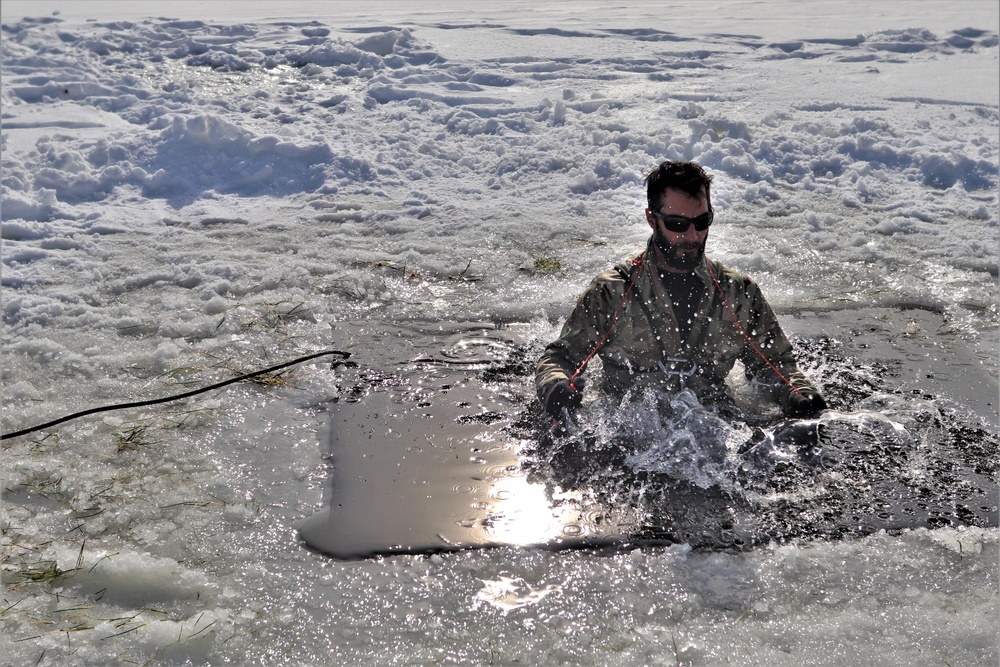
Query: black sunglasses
x=679, y=223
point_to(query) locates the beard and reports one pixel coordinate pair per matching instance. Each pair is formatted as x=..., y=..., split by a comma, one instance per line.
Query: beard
x=680, y=256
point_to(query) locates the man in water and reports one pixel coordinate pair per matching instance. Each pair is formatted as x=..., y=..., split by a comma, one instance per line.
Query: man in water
x=672, y=317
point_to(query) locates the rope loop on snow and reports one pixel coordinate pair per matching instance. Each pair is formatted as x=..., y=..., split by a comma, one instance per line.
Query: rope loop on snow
x=177, y=397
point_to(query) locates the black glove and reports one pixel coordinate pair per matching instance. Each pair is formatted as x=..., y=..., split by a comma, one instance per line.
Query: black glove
x=804, y=404
x=561, y=395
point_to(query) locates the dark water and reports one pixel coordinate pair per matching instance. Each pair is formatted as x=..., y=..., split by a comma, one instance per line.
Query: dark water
x=439, y=445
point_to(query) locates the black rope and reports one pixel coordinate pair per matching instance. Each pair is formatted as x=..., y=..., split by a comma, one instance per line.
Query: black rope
x=187, y=394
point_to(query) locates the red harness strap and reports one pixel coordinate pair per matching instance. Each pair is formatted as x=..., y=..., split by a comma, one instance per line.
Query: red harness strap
x=637, y=262
x=736, y=321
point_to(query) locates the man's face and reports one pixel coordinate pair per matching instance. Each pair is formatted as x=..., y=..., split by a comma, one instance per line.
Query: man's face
x=680, y=252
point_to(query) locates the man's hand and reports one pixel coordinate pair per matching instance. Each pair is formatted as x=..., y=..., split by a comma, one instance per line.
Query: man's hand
x=804, y=404
x=563, y=395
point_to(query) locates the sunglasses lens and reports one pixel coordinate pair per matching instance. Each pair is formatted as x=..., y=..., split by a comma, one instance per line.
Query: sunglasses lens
x=679, y=223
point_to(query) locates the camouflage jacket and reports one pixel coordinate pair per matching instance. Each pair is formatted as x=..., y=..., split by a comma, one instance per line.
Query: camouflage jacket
x=643, y=346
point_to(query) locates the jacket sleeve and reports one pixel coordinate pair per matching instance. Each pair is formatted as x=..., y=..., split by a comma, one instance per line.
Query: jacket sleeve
x=772, y=349
x=584, y=328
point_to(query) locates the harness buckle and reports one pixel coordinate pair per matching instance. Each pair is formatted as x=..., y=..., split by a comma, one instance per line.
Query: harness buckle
x=682, y=374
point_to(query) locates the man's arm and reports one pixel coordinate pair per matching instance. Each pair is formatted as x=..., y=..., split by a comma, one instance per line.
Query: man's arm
x=795, y=392
x=580, y=335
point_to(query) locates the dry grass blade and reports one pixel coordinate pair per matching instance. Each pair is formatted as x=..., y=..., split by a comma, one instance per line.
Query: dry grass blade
x=133, y=438
x=270, y=380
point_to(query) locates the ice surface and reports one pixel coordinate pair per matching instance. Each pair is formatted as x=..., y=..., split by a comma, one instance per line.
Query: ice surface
x=190, y=191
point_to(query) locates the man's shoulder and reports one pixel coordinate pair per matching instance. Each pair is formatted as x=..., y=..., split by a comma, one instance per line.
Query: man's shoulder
x=727, y=274
x=618, y=273
x=608, y=279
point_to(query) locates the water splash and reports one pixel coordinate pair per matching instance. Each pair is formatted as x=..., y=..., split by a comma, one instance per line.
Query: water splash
x=702, y=475
x=682, y=438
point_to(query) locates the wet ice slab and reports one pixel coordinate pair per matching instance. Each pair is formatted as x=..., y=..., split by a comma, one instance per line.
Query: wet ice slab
x=443, y=476
x=918, y=349
x=423, y=459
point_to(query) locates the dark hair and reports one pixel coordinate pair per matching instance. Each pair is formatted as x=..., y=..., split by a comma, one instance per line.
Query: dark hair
x=688, y=177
